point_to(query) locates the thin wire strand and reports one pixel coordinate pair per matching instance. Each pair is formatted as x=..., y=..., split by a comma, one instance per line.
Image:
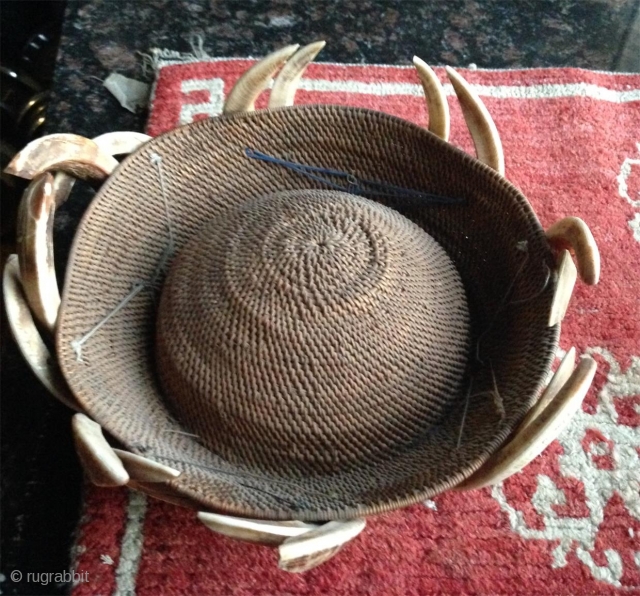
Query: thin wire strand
x=180, y=432
x=522, y=246
x=464, y=413
x=152, y=283
x=355, y=185
x=539, y=292
x=78, y=343
x=497, y=398
x=156, y=160
x=242, y=478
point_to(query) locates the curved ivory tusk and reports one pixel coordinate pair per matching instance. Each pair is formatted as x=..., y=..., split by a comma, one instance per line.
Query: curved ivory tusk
x=113, y=143
x=33, y=349
x=558, y=380
x=102, y=465
x=535, y=437
x=35, y=229
x=481, y=126
x=286, y=83
x=309, y=550
x=62, y=187
x=567, y=275
x=35, y=250
x=252, y=530
x=72, y=154
x=121, y=142
x=573, y=234
x=246, y=90
x=145, y=470
x=439, y=121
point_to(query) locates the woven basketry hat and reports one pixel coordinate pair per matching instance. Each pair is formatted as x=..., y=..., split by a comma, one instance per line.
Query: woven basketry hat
x=308, y=312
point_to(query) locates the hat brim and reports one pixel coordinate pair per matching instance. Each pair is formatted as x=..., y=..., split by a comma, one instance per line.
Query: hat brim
x=495, y=241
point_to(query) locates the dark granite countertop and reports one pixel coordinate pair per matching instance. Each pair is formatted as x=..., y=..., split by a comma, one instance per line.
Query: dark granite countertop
x=103, y=36
x=41, y=477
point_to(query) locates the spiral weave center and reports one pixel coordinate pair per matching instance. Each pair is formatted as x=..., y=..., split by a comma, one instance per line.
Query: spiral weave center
x=311, y=331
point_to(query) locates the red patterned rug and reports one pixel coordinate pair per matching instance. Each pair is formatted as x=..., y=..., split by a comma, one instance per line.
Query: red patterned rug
x=570, y=524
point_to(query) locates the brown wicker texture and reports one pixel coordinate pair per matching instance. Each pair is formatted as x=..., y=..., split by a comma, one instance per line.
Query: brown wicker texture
x=272, y=324
x=377, y=460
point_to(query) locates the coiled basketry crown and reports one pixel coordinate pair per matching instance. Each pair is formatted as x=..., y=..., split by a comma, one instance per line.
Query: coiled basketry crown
x=310, y=331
